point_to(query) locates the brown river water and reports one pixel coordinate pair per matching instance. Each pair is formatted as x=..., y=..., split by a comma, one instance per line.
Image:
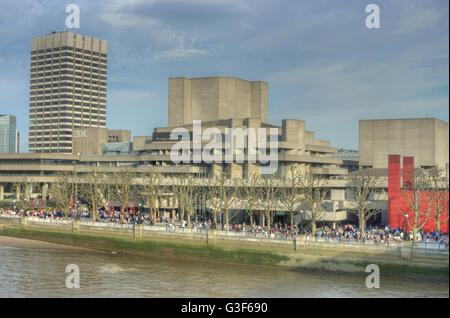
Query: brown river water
x=37, y=269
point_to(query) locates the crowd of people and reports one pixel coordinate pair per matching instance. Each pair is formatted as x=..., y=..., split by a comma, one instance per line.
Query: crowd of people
x=277, y=230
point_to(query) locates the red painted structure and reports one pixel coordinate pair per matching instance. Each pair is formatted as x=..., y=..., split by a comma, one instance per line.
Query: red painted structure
x=37, y=204
x=398, y=197
x=71, y=203
x=131, y=207
x=110, y=207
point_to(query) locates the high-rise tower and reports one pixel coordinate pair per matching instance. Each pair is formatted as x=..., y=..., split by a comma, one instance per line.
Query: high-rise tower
x=9, y=136
x=67, y=89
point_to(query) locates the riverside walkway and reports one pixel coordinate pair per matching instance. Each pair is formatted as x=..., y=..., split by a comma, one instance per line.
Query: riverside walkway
x=137, y=230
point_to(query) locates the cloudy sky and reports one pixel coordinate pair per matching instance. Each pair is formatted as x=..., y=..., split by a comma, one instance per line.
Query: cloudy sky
x=321, y=62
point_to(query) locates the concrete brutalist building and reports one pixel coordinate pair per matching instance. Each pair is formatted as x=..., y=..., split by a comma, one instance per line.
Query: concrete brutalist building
x=426, y=139
x=67, y=89
x=220, y=103
x=228, y=102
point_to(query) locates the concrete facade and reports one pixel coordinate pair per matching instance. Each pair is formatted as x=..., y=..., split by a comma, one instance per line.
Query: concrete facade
x=89, y=140
x=119, y=135
x=215, y=98
x=139, y=142
x=425, y=139
x=67, y=89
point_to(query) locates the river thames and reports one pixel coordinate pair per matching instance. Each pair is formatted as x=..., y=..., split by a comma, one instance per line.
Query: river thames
x=36, y=269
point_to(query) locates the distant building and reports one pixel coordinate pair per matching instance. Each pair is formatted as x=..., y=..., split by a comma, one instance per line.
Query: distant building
x=67, y=89
x=347, y=154
x=89, y=140
x=215, y=98
x=350, y=159
x=139, y=142
x=425, y=139
x=224, y=103
x=117, y=148
x=9, y=135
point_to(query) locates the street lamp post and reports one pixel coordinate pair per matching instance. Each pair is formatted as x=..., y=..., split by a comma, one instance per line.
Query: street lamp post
x=139, y=211
x=407, y=232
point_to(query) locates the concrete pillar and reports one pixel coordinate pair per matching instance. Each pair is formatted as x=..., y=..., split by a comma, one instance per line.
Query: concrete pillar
x=2, y=191
x=337, y=194
x=216, y=169
x=251, y=169
x=44, y=191
x=236, y=170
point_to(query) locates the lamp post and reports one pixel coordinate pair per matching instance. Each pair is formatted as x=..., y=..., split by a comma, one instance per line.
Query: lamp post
x=407, y=233
x=139, y=211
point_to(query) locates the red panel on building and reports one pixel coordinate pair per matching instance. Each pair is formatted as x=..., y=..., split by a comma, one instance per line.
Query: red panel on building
x=399, y=200
x=408, y=170
x=394, y=219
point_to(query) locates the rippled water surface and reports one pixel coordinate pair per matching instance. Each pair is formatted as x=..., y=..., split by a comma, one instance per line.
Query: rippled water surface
x=38, y=272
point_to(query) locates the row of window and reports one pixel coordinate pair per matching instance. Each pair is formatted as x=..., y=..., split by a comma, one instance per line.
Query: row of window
x=53, y=151
x=61, y=126
x=68, y=71
x=32, y=139
x=86, y=91
x=68, y=60
x=85, y=98
x=61, y=109
x=64, y=144
x=68, y=120
x=47, y=105
x=69, y=103
x=64, y=70
x=87, y=71
x=69, y=55
x=56, y=150
x=56, y=132
x=53, y=133
x=68, y=48
x=56, y=80
x=66, y=90
x=70, y=115
x=86, y=87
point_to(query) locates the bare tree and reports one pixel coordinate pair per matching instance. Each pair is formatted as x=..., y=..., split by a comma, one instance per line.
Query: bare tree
x=439, y=196
x=314, y=196
x=249, y=194
x=92, y=189
x=187, y=192
x=228, y=190
x=123, y=189
x=151, y=191
x=291, y=193
x=270, y=192
x=365, y=190
x=24, y=187
x=418, y=201
x=63, y=190
x=212, y=190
